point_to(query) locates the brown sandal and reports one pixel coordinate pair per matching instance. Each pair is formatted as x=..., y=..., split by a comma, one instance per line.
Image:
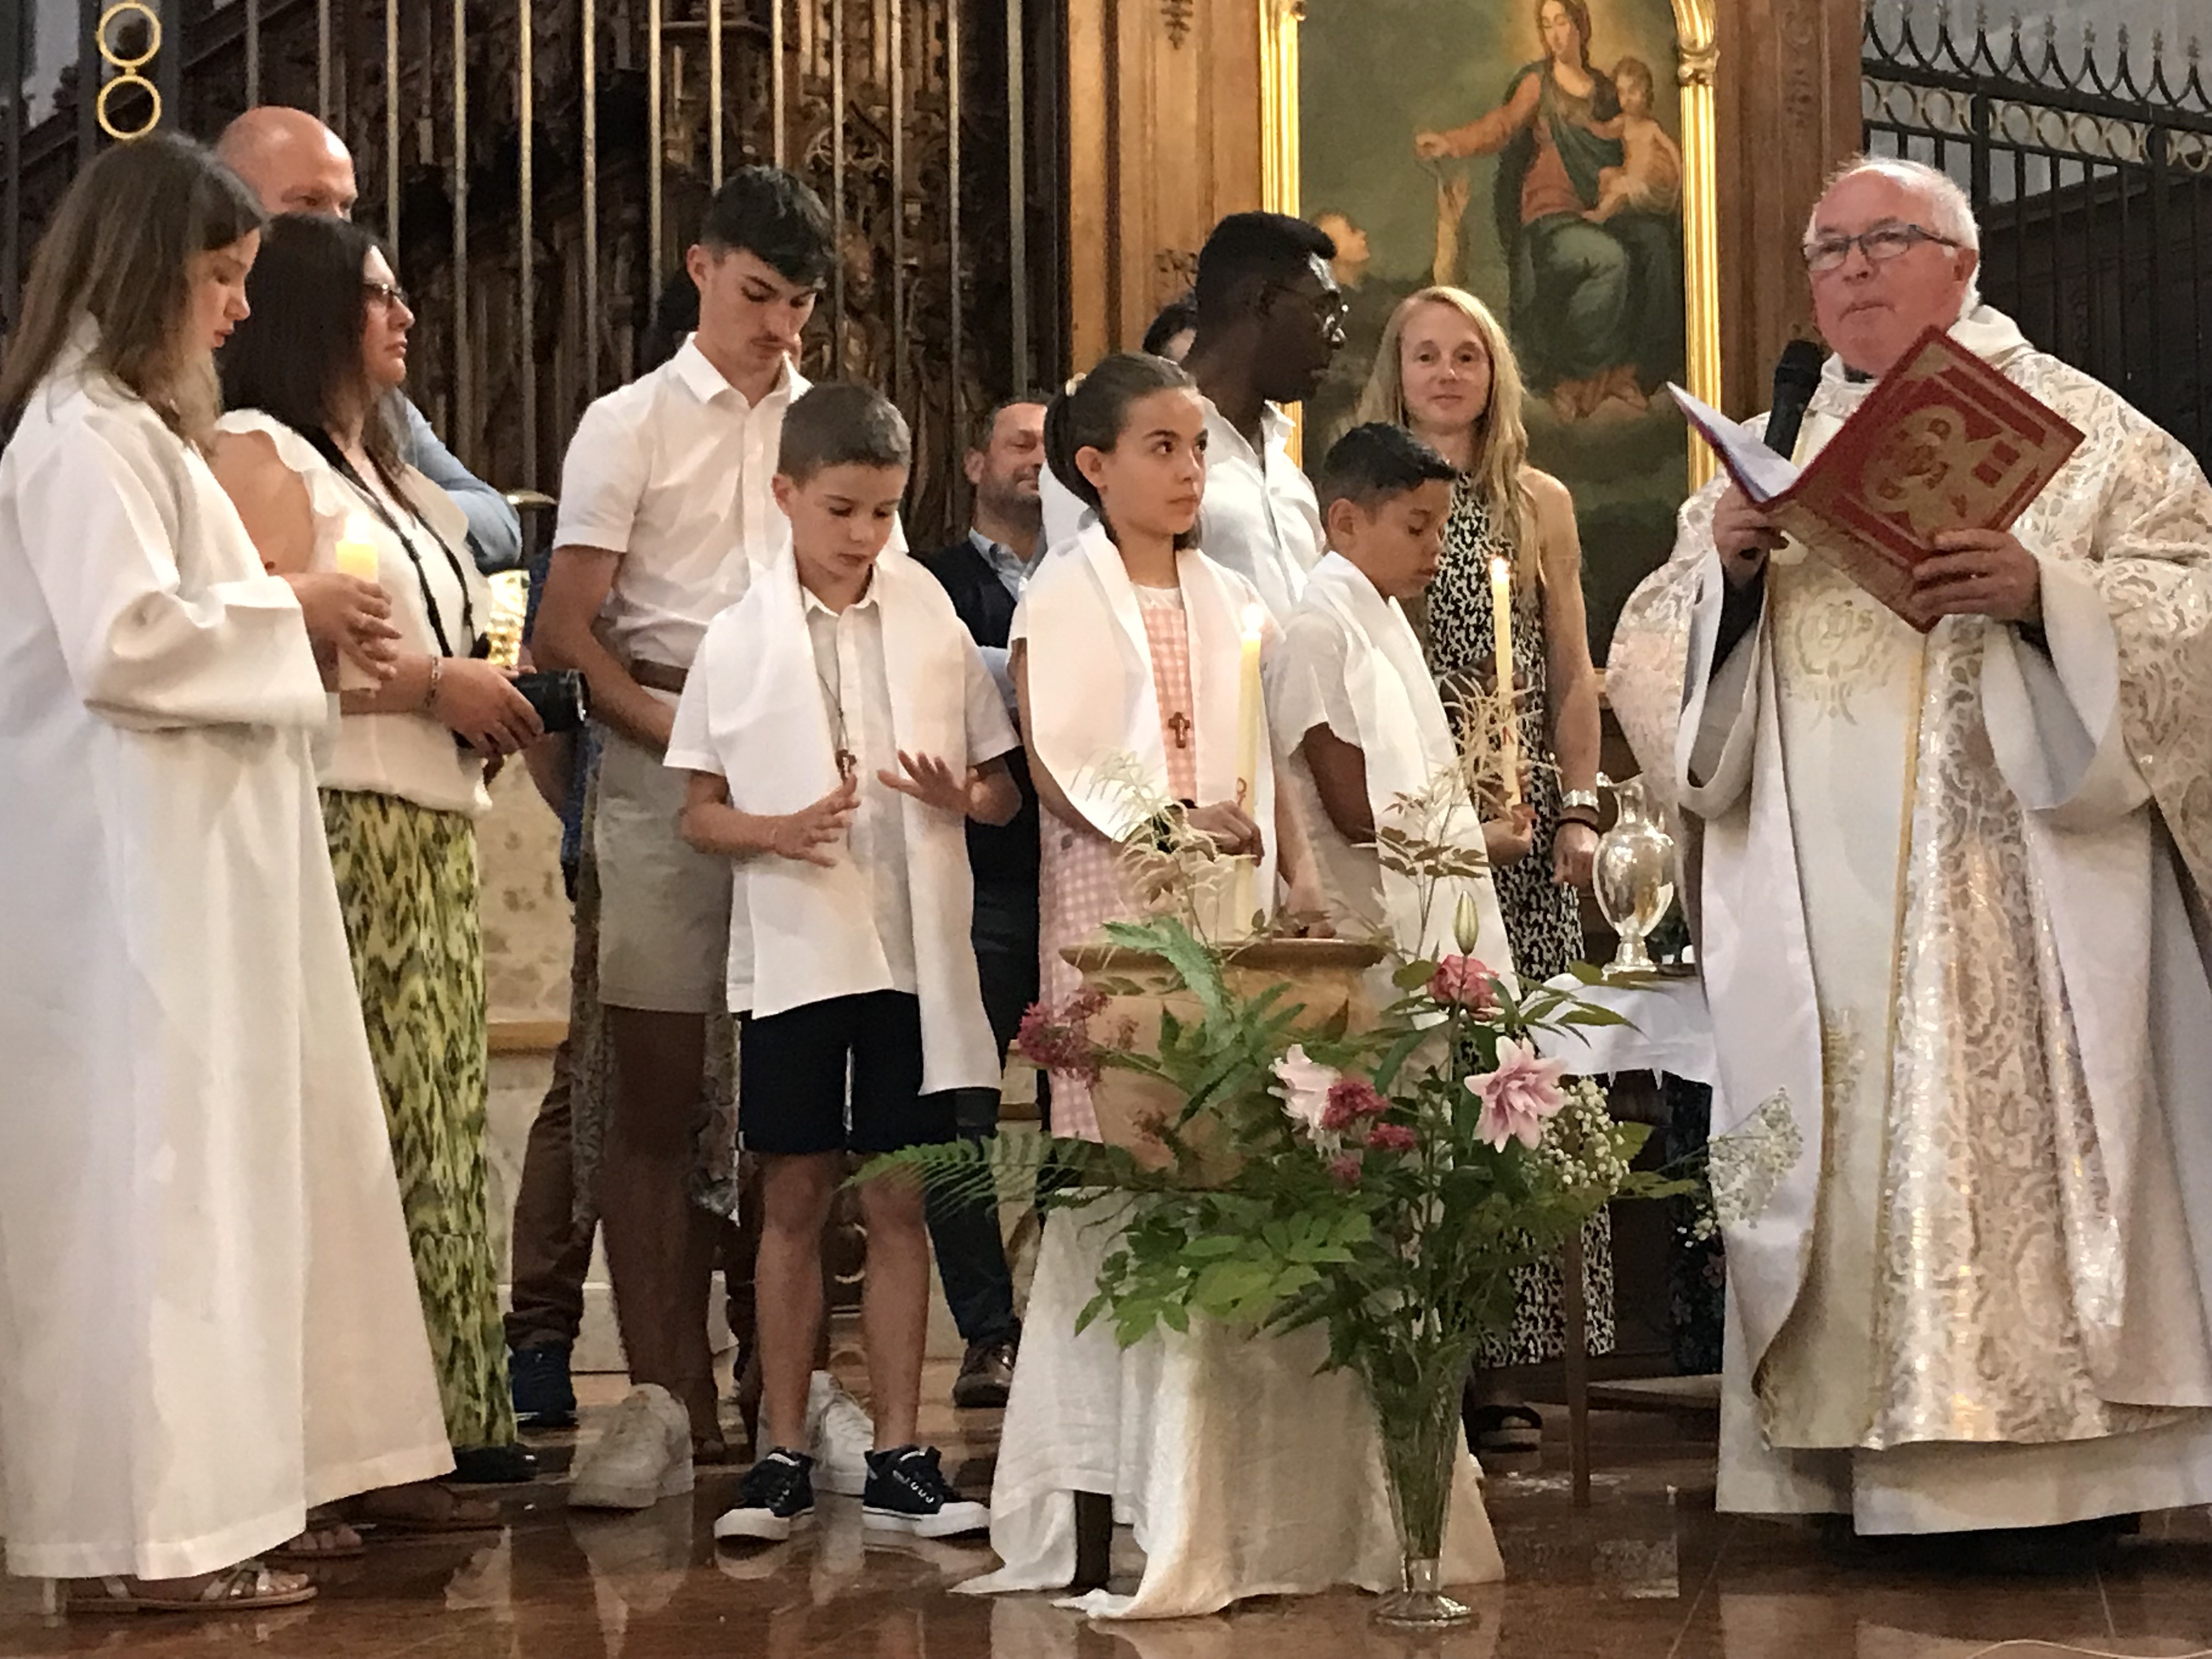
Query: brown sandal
x=328, y=1538
x=399, y=1509
x=249, y=1587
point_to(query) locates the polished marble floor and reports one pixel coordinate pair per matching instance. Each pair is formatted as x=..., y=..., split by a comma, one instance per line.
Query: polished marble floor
x=1649, y=1569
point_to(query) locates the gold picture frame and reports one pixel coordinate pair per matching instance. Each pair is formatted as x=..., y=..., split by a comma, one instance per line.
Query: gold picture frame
x=1697, y=55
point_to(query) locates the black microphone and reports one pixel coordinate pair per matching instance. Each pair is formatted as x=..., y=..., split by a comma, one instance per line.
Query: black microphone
x=1797, y=377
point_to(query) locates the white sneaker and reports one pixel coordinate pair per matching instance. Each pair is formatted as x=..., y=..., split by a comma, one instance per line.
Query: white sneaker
x=841, y=1435
x=644, y=1456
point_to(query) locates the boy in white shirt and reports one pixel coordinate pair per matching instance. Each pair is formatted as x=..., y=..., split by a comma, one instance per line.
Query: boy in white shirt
x=1353, y=706
x=666, y=510
x=839, y=728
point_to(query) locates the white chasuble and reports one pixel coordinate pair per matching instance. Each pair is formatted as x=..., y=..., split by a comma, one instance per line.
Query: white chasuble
x=1094, y=715
x=805, y=933
x=207, y=1306
x=1945, y=888
x=1349, y=660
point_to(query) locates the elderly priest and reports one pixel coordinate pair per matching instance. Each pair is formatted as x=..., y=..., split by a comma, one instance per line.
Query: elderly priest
x=1951, y=889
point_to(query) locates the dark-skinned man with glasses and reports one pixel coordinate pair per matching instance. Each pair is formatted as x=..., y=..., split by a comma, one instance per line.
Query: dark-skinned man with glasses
x=1270, y=319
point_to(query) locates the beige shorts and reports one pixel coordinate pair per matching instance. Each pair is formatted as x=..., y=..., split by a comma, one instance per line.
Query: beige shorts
x=663, y=908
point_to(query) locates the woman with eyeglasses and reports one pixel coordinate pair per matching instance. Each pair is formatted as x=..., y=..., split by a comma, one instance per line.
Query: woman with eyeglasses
x=309, y=454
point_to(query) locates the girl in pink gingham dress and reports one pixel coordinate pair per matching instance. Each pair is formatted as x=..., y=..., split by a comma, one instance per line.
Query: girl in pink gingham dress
x=1130, y=442
x=1082, y=884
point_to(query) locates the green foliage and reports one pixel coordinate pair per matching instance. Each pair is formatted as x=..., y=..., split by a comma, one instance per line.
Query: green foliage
x=1396, y=1228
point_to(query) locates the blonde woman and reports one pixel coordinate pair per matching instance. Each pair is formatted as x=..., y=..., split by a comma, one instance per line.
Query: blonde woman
x=1445, y=372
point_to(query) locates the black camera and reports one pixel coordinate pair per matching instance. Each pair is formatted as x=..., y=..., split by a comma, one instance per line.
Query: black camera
x=559, y=696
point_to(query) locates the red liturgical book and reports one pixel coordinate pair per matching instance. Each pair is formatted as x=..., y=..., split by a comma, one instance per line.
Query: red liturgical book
x=1943, y=442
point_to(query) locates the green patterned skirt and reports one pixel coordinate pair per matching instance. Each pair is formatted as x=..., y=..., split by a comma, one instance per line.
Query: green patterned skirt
x=407, y=883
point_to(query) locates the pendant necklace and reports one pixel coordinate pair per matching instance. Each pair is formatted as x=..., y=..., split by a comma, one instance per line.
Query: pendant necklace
x=833, y=702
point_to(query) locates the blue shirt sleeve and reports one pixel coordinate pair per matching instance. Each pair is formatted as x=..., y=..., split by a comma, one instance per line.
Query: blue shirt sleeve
x=494, y=531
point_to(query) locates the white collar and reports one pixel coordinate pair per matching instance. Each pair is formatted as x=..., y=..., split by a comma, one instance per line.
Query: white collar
x=1274, y=431
x=811, y=602
x=706, y=382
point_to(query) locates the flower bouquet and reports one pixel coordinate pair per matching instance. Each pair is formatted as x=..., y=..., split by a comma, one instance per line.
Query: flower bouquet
x=1308, y=1158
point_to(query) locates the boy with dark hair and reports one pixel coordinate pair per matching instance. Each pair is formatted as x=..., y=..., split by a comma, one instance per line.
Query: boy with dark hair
x=668, y=512
x=839, y=730
x=1353, y=705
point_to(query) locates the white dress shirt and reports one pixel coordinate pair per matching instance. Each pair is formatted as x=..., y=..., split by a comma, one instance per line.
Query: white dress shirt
x=1260, y=517
x=756, y=714
x=856, y=694
x=673, y=472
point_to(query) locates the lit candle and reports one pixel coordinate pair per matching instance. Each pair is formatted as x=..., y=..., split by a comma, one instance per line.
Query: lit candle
x=356, y=556
x=1501, y=636
x=1248, y=720
x=1249, y=708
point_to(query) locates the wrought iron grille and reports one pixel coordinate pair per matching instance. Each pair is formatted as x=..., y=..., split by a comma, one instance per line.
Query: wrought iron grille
x=2092, y=179
x=540, y=165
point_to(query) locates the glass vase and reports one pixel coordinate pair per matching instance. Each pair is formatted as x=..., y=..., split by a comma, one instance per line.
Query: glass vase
x=1417, y=1417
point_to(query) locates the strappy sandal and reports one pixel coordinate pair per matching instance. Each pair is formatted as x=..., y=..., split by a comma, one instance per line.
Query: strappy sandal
x=328, y=1538
x=249, y=1587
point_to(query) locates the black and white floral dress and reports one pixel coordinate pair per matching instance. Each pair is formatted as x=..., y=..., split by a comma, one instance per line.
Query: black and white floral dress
x=1543, y=919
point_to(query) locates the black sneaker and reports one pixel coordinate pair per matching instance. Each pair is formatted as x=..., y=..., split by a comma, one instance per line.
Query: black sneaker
x=907, y=1492
x=494, y=1466
x=544, y=1398
x=777, y=1494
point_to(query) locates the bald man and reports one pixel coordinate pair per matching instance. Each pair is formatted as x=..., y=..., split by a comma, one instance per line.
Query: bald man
x=296, y=164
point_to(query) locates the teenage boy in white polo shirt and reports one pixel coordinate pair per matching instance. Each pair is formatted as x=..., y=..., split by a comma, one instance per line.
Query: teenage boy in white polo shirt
x=840, y=729
x=666, y=512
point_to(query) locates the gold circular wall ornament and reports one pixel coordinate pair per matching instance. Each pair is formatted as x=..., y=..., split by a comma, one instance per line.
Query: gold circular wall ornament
x=128, y=67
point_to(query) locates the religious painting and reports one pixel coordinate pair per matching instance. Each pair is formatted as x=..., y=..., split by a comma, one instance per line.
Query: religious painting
x=1530, y=151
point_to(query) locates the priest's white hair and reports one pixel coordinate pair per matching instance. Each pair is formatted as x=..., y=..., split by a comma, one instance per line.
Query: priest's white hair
x=1949, y=211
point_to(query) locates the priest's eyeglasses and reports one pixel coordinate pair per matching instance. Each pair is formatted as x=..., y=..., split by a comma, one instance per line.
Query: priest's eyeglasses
x=1880, y=245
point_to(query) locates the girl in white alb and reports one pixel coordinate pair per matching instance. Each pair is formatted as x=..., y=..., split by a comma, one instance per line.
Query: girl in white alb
x=1244, y=1469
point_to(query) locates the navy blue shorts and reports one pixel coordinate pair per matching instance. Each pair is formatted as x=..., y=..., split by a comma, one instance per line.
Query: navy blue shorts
x=795, y=1069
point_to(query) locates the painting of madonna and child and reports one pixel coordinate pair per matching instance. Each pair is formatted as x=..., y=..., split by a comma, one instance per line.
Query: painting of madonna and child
x=1529, y=152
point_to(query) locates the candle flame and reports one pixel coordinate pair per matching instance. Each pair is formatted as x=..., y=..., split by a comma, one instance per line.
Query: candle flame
x=1255, y=616
x=1499, y=569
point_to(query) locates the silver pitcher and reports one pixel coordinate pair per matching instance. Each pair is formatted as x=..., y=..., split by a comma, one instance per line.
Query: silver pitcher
x=1633, y=874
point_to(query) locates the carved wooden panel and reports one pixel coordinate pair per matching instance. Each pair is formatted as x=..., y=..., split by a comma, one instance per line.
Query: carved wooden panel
x=1788, y=97
x=873, y=93
x=1164, y=128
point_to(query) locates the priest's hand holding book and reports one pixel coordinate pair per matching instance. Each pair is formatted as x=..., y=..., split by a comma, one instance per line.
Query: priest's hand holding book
x=1743, y=536
x=1980, y=573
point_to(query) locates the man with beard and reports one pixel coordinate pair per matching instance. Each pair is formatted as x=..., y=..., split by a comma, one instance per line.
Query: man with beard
x=984, y=573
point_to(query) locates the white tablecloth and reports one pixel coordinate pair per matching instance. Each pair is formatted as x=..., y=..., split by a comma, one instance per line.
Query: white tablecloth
x=1242, y=1471
x=1669, y=1030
